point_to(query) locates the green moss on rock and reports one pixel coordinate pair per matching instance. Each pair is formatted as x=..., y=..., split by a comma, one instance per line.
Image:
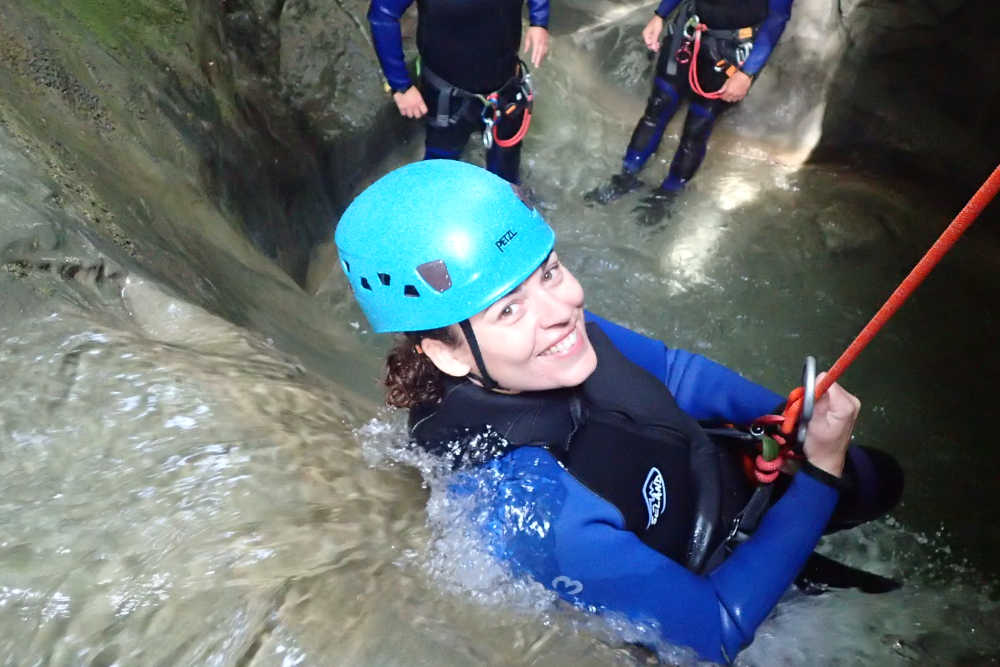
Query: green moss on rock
x=124, y=25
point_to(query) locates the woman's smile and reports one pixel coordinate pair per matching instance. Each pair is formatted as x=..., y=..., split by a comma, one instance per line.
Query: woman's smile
x=565, y=346
x=534, y=338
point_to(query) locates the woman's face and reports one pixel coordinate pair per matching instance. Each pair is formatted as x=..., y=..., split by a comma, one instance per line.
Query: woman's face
x=534, y=337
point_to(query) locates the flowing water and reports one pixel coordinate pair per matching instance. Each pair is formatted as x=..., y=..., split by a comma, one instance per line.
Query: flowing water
x=180, y=489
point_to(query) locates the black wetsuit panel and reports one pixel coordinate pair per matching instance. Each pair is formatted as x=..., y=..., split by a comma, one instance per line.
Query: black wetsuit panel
x=621, y=434
x=471, y=44
x=731, y=14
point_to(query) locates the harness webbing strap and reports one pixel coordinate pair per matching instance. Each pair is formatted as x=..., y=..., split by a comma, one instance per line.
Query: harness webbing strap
x=681, y=42
x=735, y=35
x=444, y=116
x=755, y=508
x=676, y=37
x=743, y=525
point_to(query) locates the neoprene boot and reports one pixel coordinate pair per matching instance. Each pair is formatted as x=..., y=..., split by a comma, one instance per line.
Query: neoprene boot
x=655, y=207
x=620, y=184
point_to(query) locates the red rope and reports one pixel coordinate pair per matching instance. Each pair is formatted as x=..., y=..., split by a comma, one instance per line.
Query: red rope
x=519, y=135
x=965, y=217
x=693, y=67
x=766, y=471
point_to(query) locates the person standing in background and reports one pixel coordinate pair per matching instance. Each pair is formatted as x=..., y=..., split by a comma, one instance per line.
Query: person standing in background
x=470, y=74
x=728, y=41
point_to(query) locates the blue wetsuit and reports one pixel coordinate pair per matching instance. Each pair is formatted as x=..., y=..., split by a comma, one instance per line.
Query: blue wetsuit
x=543, y=520
x=670, y=85
x=468, y=46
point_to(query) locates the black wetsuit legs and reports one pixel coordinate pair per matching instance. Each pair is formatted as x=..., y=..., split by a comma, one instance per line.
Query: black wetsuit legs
x=660, y=108
x=506, y=162
x=690, y=152
x=669, y=90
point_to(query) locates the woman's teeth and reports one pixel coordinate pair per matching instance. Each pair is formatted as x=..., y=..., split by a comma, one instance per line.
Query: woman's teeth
x=562, y=346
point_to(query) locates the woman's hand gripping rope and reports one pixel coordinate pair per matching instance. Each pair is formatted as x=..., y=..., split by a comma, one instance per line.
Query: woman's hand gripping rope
x=823, y=437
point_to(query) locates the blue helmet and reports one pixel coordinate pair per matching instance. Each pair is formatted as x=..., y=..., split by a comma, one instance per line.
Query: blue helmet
x=435, y=242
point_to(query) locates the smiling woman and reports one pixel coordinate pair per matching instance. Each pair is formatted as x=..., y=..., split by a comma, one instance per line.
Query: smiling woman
x=535, y=335
x=611, y=493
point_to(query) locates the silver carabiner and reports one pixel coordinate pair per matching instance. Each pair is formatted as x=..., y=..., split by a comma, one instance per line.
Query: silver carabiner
x=488, y=133
x=743, y=52
x=808, y=397
x=691, y=26
x=488, y=116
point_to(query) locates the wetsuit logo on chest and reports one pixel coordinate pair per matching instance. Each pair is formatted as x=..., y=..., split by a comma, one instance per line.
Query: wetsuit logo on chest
x=654, y=490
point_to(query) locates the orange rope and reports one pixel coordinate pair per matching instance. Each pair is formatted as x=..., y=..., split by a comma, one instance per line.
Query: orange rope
x=767, y=471
x=693, y=67
x=519, y=135
x=965, y=217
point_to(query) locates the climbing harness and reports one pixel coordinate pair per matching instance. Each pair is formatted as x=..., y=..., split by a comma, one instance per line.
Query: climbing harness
x=515, y=95
x=687, y=36
x=692, y=47
x=799, y=406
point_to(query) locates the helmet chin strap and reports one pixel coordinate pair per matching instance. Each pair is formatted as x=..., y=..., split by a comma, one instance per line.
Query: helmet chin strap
x=487, y=382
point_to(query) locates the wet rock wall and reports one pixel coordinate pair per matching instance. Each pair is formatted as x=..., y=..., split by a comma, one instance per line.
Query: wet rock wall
x=915, y=91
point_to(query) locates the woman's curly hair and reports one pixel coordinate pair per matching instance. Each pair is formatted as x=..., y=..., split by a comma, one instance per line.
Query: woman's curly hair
x=410, y=377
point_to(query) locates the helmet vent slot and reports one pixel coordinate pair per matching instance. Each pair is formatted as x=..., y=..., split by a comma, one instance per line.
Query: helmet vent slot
x=384, y=279
x=436, y=274
x=347, y=266
x=364, y=283
x=410, y=290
